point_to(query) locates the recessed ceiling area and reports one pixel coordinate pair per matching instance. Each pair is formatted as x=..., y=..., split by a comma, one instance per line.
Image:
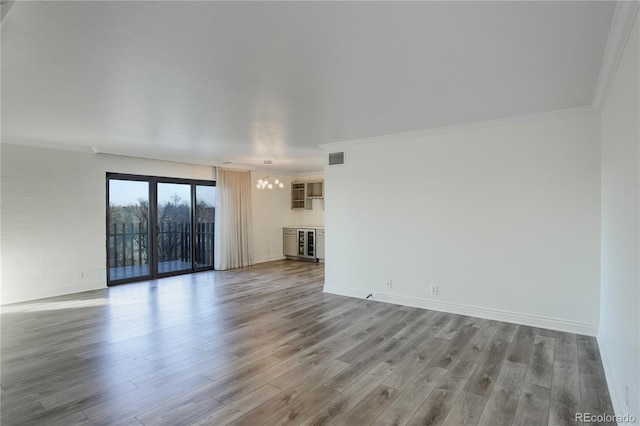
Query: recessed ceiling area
x=249, y=81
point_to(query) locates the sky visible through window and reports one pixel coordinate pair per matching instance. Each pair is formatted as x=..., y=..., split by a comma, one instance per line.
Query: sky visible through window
x=174, y=192
x=128, y=192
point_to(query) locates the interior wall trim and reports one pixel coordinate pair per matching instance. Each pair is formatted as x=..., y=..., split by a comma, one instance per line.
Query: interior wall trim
x=614, y=385
x=551, y=115
x=271, y=258
x=45, y=144
x=121, y=153
x=474, y=311
x=33, y=296
x=624, y=16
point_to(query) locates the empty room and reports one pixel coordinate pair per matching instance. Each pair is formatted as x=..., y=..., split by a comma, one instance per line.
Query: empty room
x=320, y=212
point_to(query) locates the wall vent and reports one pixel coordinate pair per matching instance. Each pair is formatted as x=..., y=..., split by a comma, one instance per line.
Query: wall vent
x=336, y=158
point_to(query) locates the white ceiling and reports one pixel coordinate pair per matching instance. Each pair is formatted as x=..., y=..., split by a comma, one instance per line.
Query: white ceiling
x=249, y=81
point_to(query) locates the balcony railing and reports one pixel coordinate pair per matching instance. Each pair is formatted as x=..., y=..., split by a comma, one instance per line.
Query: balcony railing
x=128, y=243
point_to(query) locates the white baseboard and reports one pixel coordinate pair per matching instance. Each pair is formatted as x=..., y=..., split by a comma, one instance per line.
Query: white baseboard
x=268, y=259
x=615, y=387
x=474, y=311
x=42, y=294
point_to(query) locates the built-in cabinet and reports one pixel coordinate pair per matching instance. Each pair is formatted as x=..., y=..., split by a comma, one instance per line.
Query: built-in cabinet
x=302, y=193
x=298, y=196
x=315, y=189
x=289, y=243
x=320, y=244
x=303, y=243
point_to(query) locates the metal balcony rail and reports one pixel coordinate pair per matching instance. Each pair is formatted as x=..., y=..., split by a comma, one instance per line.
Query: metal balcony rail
x=128, y=243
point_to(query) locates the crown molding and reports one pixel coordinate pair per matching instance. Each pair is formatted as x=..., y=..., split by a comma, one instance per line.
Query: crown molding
x=167, y=157
x=624, y=17
x=97, y=150
x=551, y=115
x=5, y=5
x=44, y=144
x=119, y=152
x=310, y=175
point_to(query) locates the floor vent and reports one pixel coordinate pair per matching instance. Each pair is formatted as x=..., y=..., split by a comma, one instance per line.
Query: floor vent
x=336, y=158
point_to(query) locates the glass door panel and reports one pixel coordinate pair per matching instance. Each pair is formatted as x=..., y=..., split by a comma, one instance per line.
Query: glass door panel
x=128, y=229
x=311, y=244
x=204, y=225
x=158, y=226
x=174, y=227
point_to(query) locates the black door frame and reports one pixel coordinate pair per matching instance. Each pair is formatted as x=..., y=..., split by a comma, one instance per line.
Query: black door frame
x=153, y=227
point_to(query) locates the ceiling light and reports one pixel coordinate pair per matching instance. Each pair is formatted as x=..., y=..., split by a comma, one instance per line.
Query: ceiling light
x=269, y=182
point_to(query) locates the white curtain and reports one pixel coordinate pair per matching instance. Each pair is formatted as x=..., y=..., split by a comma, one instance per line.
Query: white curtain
x=233, y=225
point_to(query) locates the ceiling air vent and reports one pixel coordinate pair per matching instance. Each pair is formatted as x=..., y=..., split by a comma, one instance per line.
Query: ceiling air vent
x=336, y=158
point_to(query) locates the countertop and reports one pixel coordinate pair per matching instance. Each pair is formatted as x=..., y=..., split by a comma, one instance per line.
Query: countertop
x=305, y=227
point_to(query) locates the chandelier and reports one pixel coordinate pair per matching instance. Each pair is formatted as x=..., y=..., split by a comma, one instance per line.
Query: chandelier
x=269, y=182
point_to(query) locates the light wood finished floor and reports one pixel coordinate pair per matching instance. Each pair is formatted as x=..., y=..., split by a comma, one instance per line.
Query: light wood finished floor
x=264, y=346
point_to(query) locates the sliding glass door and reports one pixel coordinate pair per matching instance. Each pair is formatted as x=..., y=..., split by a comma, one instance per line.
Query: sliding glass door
x=174, y=227
x=128, y=230
x=204, y=224
x=158, y=227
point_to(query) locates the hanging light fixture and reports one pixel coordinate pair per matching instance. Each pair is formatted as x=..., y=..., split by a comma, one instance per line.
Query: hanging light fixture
x=269, y=182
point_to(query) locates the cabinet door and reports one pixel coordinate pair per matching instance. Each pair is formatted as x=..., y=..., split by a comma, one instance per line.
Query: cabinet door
x=290, y=242
x=319, y=243
x=320, y=246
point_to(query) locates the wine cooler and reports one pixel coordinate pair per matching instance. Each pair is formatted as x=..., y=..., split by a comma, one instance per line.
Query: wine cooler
x=307, y=243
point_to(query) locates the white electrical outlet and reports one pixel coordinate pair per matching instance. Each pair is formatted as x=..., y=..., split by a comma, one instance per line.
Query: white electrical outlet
x=434, y=290
x=389, y=283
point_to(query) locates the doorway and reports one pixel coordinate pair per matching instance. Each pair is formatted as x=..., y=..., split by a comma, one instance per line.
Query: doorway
x=158, y=227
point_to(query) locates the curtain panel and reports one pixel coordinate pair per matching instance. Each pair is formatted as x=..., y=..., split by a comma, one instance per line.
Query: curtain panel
x=233, y=223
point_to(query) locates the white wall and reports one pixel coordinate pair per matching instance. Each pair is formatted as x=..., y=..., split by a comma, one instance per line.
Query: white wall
x=504, y=218
x=272, y=211
x=54, y=217
x=308, y=217
x=619, y=335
